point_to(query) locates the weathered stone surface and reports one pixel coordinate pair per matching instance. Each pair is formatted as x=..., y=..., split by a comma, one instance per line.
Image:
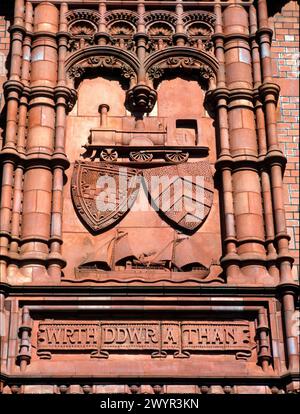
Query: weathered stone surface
x=142, y=202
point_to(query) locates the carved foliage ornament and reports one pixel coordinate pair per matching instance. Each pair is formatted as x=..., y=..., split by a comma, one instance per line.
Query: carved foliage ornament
x=189, y=63
x=108, y=62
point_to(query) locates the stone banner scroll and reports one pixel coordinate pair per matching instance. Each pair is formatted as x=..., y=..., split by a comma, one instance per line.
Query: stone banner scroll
x=158, y=338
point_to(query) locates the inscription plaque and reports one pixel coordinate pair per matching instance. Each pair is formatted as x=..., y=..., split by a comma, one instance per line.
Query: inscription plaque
x=160, y=338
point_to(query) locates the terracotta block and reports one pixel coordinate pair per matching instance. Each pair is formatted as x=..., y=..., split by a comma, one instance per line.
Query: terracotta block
x=249, y=225
x=46, y=18
x=235, y=20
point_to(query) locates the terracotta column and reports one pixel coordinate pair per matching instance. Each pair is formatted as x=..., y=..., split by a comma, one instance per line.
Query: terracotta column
x=262, y=147
x=21, y=142
x=231, y=260
x=12, y=88
x=40, y=143
x=102, y=36
x=243, y=141
x=179, y=37
x=141, y=41
x=60, y=162
x=140, y=99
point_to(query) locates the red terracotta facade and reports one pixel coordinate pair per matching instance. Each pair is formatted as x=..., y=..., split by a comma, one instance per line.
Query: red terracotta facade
x=100, y=100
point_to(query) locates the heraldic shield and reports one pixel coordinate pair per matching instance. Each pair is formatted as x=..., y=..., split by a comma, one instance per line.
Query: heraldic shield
x=183, y=193
x=103, y=193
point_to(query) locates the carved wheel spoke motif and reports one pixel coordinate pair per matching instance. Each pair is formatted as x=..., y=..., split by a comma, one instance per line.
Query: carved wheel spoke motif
x=177, y=157
x=109, y=155
x=141, y=156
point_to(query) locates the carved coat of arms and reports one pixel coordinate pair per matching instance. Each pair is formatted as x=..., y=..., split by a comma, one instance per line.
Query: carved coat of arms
x=104, y=192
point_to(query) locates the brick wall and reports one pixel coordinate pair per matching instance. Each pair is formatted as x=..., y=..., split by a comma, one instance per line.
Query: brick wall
x=285, y=25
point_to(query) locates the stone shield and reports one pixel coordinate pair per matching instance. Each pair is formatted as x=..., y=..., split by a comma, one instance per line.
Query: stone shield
x=103, y=193
x=183, y=193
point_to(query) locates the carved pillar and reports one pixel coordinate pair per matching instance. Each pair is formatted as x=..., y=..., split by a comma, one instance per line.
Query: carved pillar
x=269, y=93
x=141, y=98
x=21, y=142
x=220, y=97
x=243, y=142
x=60, y=162
x=262, y=147
x=179, y=37
x=12, y=88
x=102, y=36
x=41, y=124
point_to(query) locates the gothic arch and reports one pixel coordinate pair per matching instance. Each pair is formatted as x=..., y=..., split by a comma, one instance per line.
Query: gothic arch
x=182, y=59
x=106, y=57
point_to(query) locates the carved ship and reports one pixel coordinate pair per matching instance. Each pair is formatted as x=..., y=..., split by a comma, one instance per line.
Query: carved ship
x=177, y=260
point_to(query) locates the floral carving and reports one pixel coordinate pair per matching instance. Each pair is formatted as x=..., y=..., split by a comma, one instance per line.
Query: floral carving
x=82, y=28
x=121, y=29
x=160, y=29
x=155, y=72
x=109, y=62
x=199, y=29
x=122, y=35
x=188, y=63
x=76, y=72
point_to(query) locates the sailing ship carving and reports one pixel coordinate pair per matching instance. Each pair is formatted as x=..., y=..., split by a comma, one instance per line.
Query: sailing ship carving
x=181, y=254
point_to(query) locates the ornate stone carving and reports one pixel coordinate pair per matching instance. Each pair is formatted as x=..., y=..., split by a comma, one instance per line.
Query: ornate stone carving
x=160, y=36
x=106, y=62
x=121, y=33
x=82, y=27
x=199, y=29
x=87, y=193
x=199, y=16
x=121, y=15
x=202, y=70
x=160, y=16
x=121, y=29
x=141, y=99
x=189, y=188
x=182, y=339
x=83, y=14
x=198, y=178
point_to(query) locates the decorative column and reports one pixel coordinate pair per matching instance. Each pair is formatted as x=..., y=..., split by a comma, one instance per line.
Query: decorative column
x=179, y=37
x=243, y=143
x=13, y=268
x=12, y=89
x=219, y=96
x=262, y=148
x=59, y=158
x=102, y=36
x=141, y=98
x=40, y=143
x=276, y=161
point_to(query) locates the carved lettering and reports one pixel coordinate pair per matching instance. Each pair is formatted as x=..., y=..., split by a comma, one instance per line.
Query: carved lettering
x=159, y=337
